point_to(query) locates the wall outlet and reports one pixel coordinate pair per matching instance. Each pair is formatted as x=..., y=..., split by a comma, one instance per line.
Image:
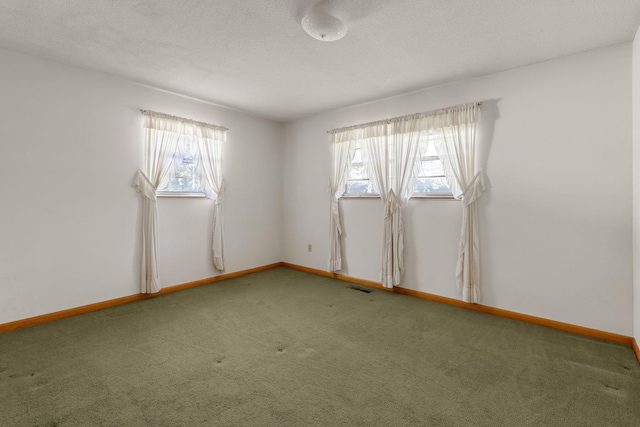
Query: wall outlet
x=309, y=247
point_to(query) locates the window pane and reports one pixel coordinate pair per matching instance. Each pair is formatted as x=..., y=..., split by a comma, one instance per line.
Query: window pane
x=431, y=186
x=357, y=156
x=431, y=149
x=359, y=187
x=357, y=172
x=431, y=168
x=185, y=179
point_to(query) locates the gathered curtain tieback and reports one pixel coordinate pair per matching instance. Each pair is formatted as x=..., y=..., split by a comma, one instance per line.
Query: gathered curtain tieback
x=392, y=204
x=474, y=189
x=143, y=185
x=219, y=196
x=336, y=215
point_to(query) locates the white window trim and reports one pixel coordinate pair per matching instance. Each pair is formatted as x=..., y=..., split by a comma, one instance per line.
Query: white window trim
x=175, y=194
x=417, y=196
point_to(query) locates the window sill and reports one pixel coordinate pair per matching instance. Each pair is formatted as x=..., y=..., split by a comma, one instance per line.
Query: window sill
x=181, y=195
x=419, y=197
x=435, y=197
x=364, y=196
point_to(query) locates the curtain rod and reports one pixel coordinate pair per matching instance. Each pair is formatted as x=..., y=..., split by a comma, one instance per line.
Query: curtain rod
x=182, y=119
x=409, y=116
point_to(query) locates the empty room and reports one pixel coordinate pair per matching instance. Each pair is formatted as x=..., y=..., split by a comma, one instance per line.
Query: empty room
x=303, y=212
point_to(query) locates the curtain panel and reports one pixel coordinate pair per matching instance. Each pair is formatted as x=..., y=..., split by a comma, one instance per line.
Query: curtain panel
x=457, y=150
x=390, y=154
x=160, y=144
x=162, y=137
x=210, y=144
x=342, y=149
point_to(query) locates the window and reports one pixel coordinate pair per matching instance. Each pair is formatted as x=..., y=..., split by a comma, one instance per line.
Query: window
x=358, y=183
x=430, y=181
x=184, y=174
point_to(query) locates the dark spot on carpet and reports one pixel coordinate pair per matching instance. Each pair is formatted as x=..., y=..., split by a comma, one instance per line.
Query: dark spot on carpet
x=366, y=291
x=280, y=349
x=330, y=305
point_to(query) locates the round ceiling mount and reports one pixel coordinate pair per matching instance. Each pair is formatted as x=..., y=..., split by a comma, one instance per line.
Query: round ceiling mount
x=324, y=27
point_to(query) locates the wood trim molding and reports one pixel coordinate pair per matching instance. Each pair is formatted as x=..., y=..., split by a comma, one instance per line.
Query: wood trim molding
x=335, y=276
x=218, y=278
x=636, y=349
x=123, y=300
x=432, y=297
x=596, y=333
x=22, y=323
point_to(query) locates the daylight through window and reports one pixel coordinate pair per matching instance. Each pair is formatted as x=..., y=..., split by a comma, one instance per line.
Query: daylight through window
x=429, y=181
x=185, y=170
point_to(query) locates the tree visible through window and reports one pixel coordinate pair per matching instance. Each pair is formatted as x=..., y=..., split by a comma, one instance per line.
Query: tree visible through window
x=185, y=169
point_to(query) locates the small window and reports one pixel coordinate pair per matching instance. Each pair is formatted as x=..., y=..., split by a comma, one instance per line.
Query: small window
x=184, y=179
x=430, y=180
x=358, y=183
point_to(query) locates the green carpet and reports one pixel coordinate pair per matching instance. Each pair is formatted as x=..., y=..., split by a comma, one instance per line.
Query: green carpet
x=286, y=348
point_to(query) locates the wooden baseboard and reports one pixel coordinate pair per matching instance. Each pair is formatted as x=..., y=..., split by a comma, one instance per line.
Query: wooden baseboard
x=335, y=275
x=636, y=349
x=123, y=300
x=596, y=333
x=225, y=276
x=451, y=301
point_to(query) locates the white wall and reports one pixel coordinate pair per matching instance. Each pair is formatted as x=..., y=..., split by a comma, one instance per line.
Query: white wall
x=636, y=183
x=556, y=221
x=69, y=220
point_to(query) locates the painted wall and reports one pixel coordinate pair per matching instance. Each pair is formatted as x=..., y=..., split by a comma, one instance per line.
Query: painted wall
x=69, y=220
x=555, y=223
x=636, y=183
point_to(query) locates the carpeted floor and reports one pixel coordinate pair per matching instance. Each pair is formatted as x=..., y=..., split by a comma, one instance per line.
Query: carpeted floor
x=287, y=348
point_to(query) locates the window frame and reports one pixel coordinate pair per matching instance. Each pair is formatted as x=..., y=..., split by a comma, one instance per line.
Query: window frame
x=183, y=194
x=418, y=196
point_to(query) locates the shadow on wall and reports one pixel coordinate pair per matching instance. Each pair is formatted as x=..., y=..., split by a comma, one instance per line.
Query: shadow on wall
x=490, y=115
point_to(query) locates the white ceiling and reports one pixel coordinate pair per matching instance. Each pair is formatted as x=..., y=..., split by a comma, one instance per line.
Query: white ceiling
x=253, y=56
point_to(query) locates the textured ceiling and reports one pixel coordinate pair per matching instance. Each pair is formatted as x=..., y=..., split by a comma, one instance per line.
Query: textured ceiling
x=252, y=55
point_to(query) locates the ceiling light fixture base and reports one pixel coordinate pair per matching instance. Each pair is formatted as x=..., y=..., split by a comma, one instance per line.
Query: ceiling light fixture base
x=324, y=27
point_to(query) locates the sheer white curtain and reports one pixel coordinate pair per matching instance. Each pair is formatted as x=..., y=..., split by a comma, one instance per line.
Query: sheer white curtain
x=457, y=150
x=342, y=149
x=210, y=142
x=164, y=137
x=160, y=144
x=390, y=153
x=405, y=165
